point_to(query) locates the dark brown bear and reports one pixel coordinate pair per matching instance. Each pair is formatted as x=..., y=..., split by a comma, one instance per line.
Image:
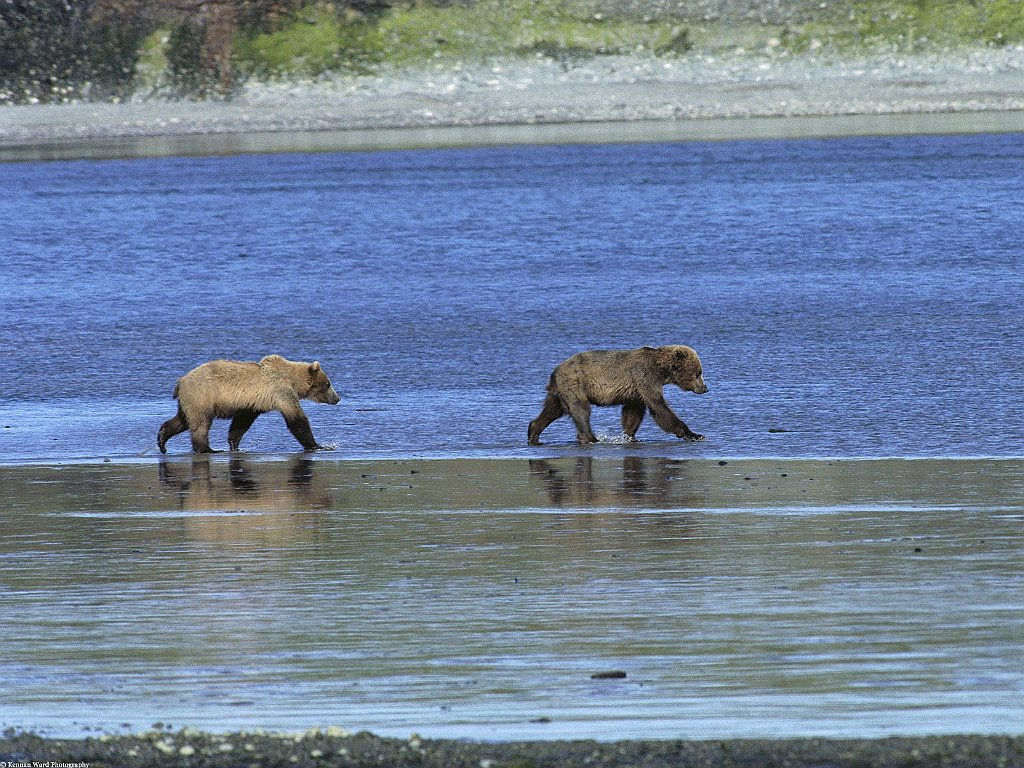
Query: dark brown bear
x=228, y=389
x=632, y=378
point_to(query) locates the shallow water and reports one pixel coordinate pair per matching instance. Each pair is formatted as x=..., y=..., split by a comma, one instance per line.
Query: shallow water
x=861, y=295
x=849, y=298
x=478, y=598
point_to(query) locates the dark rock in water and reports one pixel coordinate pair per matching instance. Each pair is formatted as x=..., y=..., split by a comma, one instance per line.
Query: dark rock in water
x=776, y=430
x=613, y=675
x=722, y=463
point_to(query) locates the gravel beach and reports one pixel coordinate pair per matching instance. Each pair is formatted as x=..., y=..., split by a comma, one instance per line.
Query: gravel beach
x=614, y=98
x=332, y=747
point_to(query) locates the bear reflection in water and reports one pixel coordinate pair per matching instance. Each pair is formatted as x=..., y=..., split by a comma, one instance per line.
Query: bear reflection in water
x=282, y=494
x=649, y=483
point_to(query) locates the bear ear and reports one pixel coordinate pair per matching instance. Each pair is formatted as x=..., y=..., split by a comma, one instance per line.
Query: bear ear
x=314, y=367
x=665, y=357
x=684, y=357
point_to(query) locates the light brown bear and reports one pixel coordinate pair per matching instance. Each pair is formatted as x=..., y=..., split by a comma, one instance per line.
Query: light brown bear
x=632, y=378
x=229, y=389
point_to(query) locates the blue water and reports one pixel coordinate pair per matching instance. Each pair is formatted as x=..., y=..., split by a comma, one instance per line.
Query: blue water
x=848, y=297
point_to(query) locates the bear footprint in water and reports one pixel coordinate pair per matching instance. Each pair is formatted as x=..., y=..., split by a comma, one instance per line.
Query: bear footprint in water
x=241, y=391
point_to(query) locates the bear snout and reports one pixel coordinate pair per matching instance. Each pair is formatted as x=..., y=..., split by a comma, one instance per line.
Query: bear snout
x=331, y=397
x=700, y=387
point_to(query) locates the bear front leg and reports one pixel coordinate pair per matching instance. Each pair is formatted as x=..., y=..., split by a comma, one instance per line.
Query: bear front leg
x=667, y=420
x=239, y=426
x=298, y=425
x=201, y=436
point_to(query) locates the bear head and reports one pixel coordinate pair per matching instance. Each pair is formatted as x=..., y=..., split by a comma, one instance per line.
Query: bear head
x=320, y=389
x=683, y=368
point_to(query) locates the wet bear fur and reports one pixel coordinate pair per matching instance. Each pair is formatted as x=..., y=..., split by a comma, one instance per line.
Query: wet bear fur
x=241, y=391
x=632, y=378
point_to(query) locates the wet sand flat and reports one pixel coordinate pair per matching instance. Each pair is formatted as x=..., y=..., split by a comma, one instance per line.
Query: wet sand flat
x=571, y=480
x=492, y=599
x=582, y=481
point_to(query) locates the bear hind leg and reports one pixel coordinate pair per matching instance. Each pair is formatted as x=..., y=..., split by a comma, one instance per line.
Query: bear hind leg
x=632, y=416
x=173, y=426
x=239, y=426
x=580, y=412
x=552, y=410
x=201, y=436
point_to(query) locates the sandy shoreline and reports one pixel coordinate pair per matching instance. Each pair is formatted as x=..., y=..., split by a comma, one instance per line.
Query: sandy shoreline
x=613, y=99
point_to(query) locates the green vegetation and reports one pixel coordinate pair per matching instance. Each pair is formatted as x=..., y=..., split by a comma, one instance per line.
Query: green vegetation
x=915, y=26
x=520, y=27
x=320, y=39
x=316, y=40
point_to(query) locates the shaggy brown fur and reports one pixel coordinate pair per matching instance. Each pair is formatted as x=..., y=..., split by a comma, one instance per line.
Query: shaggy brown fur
x=632, y=378
x=228, y=389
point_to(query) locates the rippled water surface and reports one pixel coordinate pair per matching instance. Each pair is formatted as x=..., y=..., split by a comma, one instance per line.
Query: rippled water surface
x=856, y=304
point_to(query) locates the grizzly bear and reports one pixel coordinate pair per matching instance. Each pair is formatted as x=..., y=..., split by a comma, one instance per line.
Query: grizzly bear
x=632, y=378
x=241, y=391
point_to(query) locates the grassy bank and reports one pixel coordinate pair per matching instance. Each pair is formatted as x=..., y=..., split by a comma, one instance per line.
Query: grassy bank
x=318, y=40
x=169, y=50
x=914, y=26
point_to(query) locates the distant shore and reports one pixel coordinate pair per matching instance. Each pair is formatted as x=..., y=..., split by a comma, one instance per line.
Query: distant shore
x=608, y=99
